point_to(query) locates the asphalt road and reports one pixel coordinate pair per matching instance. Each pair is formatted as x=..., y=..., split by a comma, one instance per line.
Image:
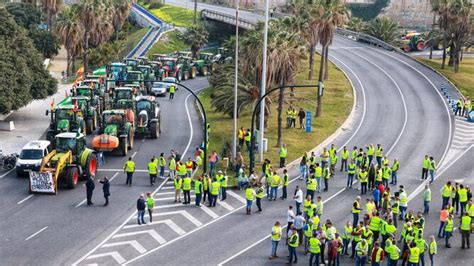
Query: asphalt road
x=63, y=221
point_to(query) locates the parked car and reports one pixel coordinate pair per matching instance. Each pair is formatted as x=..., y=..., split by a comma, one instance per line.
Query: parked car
x=160, y=88
x=31, y=156
x=171, y=79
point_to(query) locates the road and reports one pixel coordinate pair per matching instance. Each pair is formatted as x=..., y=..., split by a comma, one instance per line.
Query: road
x=64, y=221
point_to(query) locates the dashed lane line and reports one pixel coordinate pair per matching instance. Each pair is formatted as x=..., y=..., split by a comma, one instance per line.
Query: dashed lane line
x=35, y=234
x=25, y=199
x=5, y=174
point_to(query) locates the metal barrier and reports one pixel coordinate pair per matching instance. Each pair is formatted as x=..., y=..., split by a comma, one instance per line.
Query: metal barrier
x=362, y=37
x=147, y=13
x=226, y=18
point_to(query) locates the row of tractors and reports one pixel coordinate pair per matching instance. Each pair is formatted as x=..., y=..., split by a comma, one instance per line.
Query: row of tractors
x=116, y=110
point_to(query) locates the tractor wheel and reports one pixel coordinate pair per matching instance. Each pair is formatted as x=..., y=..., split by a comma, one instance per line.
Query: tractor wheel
x=89, y=125
x=406, y=48
x=193, y=72
x=130, y=142
x=123, y=146
x=71, y=177
x=186, y=75
x=90, y=168
x=420, y=46
x=205, y=71
x=154, y=131
x=179, y=75
x=96, y=123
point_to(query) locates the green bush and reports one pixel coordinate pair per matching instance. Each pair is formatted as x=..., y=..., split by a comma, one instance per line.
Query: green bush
x=155, y=5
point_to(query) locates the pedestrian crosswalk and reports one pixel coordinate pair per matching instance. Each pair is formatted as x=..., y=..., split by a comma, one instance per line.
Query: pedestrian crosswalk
x=170, y=220
x=463, y=137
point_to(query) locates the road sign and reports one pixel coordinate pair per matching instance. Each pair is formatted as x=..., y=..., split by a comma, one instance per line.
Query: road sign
x=309, y=120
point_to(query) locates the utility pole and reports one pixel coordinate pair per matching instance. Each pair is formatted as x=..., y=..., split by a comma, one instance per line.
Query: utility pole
x=234, y=143
x=264, y=85
x=195, y=10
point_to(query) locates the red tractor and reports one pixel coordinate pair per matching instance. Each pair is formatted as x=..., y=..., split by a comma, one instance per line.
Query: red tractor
x=413, y=41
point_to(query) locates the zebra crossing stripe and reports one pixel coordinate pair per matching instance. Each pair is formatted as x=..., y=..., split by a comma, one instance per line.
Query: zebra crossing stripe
x=114, y=254
x=132, y=243
x=237, y=196
x=186, y=215
x=151, y=232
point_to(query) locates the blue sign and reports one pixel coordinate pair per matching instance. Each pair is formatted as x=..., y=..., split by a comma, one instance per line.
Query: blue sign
x=309, y=120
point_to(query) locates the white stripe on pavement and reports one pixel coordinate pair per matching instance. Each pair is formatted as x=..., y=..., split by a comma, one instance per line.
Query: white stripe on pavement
x=151, y=232
x=35, y=234
x=5, y=174
x=114, y=254
x=225, y=205
x=237, y=196
x=25, y=199
x=132, y=243
x=168, y=222
x=209, y=211
x=186, y=215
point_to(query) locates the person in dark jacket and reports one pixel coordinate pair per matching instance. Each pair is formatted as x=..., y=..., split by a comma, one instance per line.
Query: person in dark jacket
x=105, y=189
x=372, y=173
x=90, y=186
x=141, y=210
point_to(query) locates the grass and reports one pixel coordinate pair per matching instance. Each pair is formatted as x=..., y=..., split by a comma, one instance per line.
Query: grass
x=464, y=79
x=134, y=38
x=177, y=16
x=168, y=43
x=337, y=104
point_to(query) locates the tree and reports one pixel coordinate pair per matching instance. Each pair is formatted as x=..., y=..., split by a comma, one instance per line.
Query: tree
x=45, y=42
x=383, y=29
x=25, y=15
x=356, y=24
x=120, y=11
x=196, y=36
x=70, y=32
x=22, y=75
x=51, y=8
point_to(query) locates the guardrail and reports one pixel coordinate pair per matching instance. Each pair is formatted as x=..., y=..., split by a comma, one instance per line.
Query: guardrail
x=227, y=18
x=366, y=39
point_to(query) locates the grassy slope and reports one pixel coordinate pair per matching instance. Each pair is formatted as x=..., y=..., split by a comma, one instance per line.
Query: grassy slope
x=167, y=44
x=337, y=104
x=178, y=16
x=464, y=80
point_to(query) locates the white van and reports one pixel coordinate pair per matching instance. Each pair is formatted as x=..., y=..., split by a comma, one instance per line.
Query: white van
x=31, y=156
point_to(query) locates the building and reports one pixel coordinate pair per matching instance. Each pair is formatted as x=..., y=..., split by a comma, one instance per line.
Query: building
x=410, y=13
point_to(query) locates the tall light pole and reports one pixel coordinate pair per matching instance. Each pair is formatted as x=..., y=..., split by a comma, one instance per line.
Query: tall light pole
x=234, y=143
x=195, y=9
x=264, y=85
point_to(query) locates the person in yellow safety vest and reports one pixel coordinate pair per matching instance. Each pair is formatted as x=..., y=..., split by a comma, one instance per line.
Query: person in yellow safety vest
x=324, y=157
x=326, y=176
x=152, y=171
x=276, y=237
x=448, y=229
x=311, y=186
x=307, y=233
x=363, y=179
x=413, y=254
x=187, y=189
x=206, y=186
x=283, y=154
x=275, y=182
x=379, y=154
x=357, y=232
x=178, y=183
x=312, y=210
x=354, y=153
x=223, y=180
x=215, y=186
x=426, y=167
x=161, y=165
x=249, y=196
x=293, y=244
x=288, y=117
x=172, y=91
x=387, y=230
x=259, y=194
x=393, y=253
x=458, y=107
x=466, y=222
x=318, y=174
x=172, y=167
x=307, y=205
x=369, y=207
x=470, y=209
x=462, y=191
x=433, y=249
x=377, y=255
x=284, y=183
x=241, y=137
x=446, y=194
x=395, y=167
x=189, y=165
x=333, y=162
x=396, y=210
x=198, y=161
x=362, y=249
x=129, y=169
x=370, y=152
x=387, y=173
x=319, y=207
x=346, y=237
x=248, y=138
x=181, y=169
x=356, y=208
x=379, y=175
x=420, y=243
x=344, y=158
x=294, y=114
x=350, y=172
x=432, y=169
x=198, y=191
x=314, y=249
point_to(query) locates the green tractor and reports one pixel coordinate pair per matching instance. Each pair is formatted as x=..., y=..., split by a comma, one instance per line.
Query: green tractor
x=132, y=64
x=413, y=41
x=117, y=73
x=186, y=66
x=88, y=110
x=65, y=117
x=99, y=99
x=148, y=116
x=124, y=93
x=148, y=76
x=116, y=131
x=158, y=70
x=204, y=63
x=136, y=78
x=223, y=56
x=70, y=160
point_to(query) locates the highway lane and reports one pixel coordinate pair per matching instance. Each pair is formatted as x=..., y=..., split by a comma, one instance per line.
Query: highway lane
x=72, y=228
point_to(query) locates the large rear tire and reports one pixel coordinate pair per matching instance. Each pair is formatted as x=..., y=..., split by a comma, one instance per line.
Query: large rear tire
x=91, y=165
x=205, y=71
x=89, y=126
x=179, y=75
x=194, y=72
x=71, y=177
x=123, y=146
x=131, y=136
x=186, y=75
x=154, y=131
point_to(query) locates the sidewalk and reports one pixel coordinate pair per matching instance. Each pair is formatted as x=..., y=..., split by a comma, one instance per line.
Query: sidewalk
x=31, y=121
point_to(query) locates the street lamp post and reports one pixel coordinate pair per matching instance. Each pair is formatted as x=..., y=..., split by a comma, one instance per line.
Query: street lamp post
x=264, y=85
x=234, y=143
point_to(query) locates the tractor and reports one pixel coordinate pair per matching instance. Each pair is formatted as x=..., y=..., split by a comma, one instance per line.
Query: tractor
x=131, y=63
x=116, y=131
x=148, y=116
x=124, y=93
x=65, y=117
x=187, y=68
x=118, y=73
x=88, y=110
x=223, y=56
x=136, y=78
x=70, y=160
x=158, y=70
x=413, y=41
x=98, y=97
x=204, y=63
x=148, y=76
x=158, y=57
x=170, y=67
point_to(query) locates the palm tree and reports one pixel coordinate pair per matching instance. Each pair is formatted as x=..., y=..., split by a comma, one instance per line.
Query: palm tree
x=383, y=29
x=51, y=8
x=435, y=7
x=120, y=11
x=196, y=36
x=70, y=33
x=356, y=24
x=459, y=28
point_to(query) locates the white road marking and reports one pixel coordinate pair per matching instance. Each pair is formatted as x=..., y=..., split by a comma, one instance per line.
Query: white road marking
x=151, y=232
x=25, y=199
x=462, y=141
x=462, y=129
x=237, y=196
x=167, y=206
x=132, y=243
x=225, y=205
x=168, y=222
x=164, y=193
x=185, y=214
x=114, y=254
x=133, y=155
x=209, y=211
x=171, y=187
x=35, y=234
x=5, y=174
x=113, y=177
x=121, y=170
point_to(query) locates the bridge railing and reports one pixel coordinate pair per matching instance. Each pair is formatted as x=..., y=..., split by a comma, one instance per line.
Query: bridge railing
x=362, y=37
x=227, y=18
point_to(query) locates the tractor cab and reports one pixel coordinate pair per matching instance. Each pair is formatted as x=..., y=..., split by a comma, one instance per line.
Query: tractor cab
x=158, y=57
x=143, y=60
x=114, y=117
x=65, y=118
x=184, y=54
x=148, y=116
x=169, y=64
x=82, y=91
x=136, y=78
x=158, y=70
x=205, y=56
x=126, y=93
x=118, y=71
x=131, y=64
x=70, y=141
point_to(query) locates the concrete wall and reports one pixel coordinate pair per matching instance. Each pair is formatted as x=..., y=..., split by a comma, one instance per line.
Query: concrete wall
x=410, y=13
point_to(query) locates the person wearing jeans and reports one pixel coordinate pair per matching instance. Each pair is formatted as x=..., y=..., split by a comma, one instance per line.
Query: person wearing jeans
x=141, y=210
x=276, y=237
